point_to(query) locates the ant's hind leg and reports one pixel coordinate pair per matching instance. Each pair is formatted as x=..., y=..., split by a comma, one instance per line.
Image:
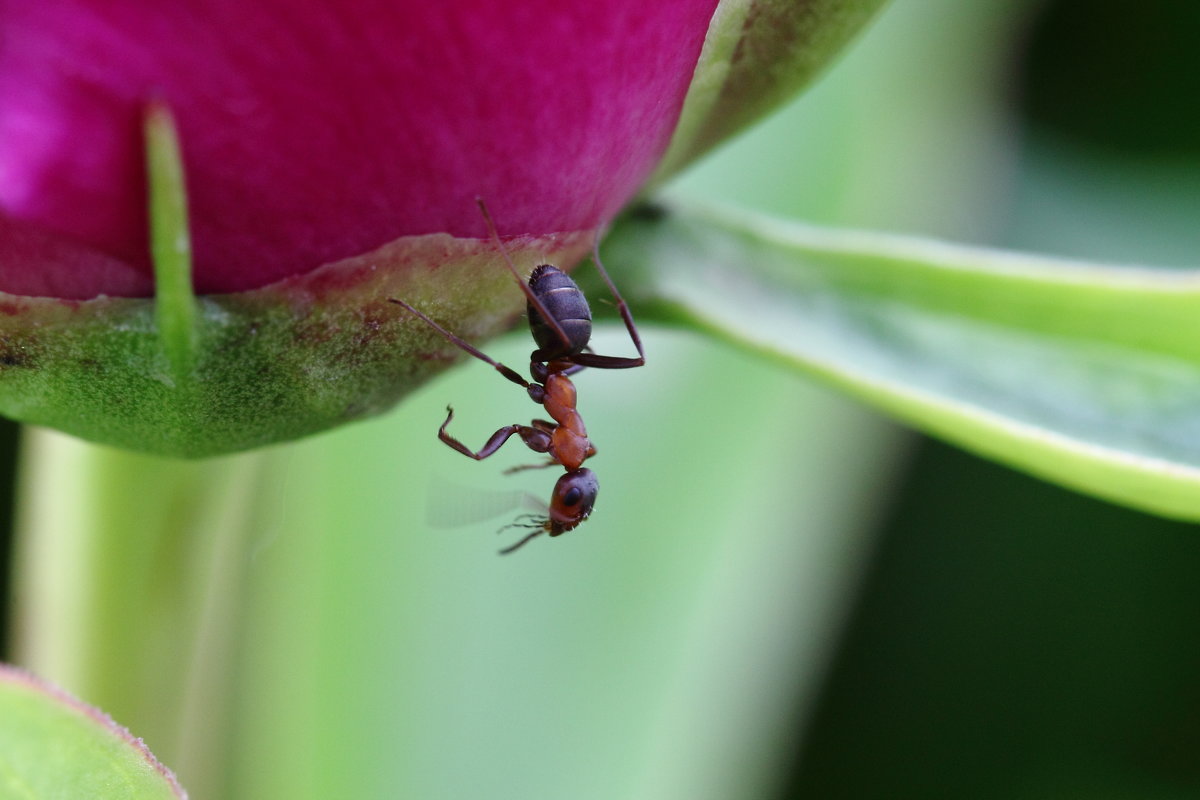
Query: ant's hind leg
x=537, y=440
x=613, y=362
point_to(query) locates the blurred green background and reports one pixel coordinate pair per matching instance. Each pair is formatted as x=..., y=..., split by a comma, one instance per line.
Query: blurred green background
x=1012, y=639
x=780, y=594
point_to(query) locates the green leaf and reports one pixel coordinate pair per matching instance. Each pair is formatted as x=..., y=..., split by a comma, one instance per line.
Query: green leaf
x=54, y=746
x=1082, y=374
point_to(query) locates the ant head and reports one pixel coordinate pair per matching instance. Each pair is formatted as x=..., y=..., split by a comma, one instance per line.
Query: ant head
x=572, y=501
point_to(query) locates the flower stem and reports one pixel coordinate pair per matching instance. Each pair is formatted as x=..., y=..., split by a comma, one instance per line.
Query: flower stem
x=129, y=574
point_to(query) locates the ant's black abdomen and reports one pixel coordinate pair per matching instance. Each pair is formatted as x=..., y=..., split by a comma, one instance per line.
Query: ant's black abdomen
x=566, y=303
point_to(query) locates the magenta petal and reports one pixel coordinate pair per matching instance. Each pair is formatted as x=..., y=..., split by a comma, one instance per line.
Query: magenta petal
x=39, y=264
x=314, y=131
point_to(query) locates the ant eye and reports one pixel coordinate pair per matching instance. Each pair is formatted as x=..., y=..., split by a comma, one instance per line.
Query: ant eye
x=572, y=497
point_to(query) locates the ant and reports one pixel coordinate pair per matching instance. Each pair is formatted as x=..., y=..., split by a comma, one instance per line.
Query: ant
x=561, y=324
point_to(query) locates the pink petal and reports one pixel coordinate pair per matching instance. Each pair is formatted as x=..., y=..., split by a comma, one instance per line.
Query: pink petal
x=316, y=130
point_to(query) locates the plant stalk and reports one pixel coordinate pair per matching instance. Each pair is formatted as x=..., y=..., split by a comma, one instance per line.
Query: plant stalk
x=129, y=570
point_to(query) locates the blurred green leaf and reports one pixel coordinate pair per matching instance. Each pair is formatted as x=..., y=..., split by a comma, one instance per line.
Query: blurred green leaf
x=1083, y=374
x=53, y=746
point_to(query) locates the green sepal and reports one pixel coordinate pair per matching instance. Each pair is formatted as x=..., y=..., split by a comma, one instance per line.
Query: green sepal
x=269, y=365
x=757, y=54
x=1087, y=375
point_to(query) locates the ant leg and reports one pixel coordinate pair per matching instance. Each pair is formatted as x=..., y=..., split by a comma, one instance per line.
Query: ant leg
x=540, y=370
x=550, y=462
x=533, y=299
x=535, y=439
x=507, y=372
x=571, y=370
x=542, y=425
x=526, y=521
x=613, y=362
x=549, y=428
x=608, y=362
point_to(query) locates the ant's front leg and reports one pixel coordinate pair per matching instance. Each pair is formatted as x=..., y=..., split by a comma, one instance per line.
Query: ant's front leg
x=550, y=462
x=535, y=439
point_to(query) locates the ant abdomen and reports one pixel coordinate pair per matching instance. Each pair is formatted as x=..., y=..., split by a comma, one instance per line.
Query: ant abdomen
x=565, y=302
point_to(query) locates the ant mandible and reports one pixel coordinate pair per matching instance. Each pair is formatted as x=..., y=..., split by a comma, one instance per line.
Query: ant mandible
x=561, y=324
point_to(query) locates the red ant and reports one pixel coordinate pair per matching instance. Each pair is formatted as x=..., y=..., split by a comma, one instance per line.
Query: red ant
x=561, y=324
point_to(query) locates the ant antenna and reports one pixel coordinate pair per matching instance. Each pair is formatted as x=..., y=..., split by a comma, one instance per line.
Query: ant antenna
x=533, y=299
x=524, y=521
x=518, y=545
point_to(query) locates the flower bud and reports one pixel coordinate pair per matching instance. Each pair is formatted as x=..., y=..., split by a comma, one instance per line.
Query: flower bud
x=333, y=153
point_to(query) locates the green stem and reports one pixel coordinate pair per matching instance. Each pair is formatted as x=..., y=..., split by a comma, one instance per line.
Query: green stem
x=170, y=241
x=129, y=574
